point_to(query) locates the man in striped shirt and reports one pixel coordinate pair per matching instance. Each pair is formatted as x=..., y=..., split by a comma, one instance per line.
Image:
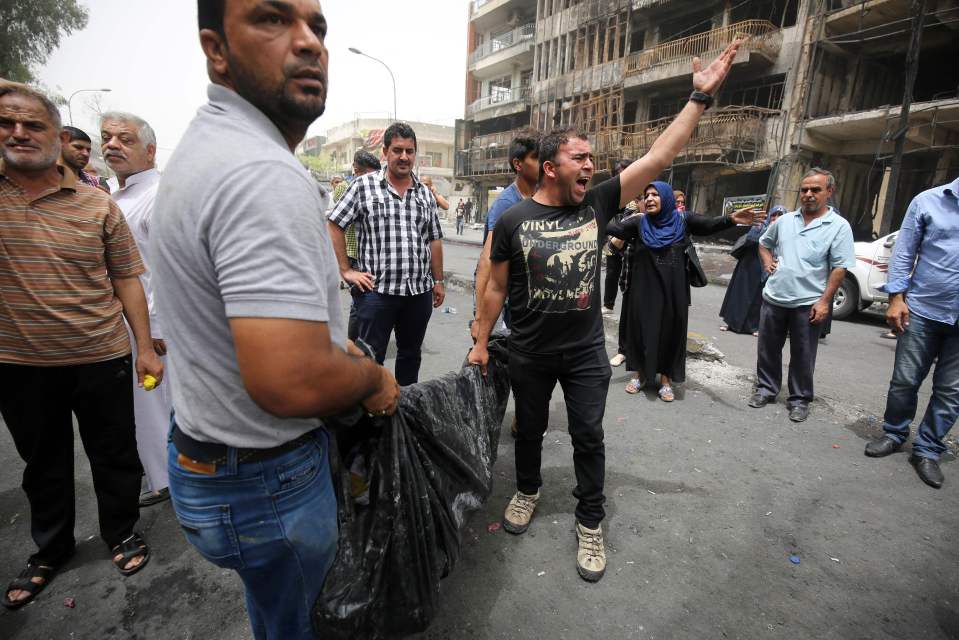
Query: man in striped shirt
x=400, y=273
x=68, y=269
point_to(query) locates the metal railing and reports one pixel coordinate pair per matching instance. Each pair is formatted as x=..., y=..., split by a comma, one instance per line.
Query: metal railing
x=487, y=155
x=732, y=135
x=759, y=35
x=501, y=97
x=519, y=35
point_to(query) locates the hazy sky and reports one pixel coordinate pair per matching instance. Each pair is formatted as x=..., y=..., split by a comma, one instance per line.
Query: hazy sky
x=148, y=53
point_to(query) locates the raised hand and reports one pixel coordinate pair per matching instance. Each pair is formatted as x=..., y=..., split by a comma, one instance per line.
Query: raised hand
x=709, y=80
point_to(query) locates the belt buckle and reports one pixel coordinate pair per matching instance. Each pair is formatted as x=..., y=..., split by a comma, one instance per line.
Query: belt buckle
x=203, y=468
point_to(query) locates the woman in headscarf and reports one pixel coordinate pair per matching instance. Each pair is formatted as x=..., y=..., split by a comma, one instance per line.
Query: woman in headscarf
x=659, y=291
x=744, y=295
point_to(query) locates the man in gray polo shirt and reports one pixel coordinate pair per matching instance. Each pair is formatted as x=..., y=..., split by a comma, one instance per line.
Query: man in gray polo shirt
x=807, y=253
x=248, y=291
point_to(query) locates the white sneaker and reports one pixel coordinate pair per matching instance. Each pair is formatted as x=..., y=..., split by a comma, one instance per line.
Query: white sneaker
x=591, y=555
x=519, y=512
x=617, y=360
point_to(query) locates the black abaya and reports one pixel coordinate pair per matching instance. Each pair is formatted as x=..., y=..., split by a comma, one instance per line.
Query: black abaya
x=744, y=295
x=658, y=299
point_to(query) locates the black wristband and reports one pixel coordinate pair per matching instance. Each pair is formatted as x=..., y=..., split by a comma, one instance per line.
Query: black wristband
x=704, y=98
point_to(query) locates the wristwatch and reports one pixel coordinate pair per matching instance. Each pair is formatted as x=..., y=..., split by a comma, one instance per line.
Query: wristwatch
x=704, y=98
x=442, y=282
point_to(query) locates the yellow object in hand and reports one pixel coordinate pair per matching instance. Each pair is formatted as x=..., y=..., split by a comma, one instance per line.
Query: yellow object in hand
x=149, y=382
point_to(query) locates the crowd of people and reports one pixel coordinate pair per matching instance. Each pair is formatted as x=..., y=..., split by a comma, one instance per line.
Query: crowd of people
x=191, y=320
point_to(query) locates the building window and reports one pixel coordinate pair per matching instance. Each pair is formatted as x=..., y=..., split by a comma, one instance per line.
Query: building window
x=766, y=93
x=434, y=159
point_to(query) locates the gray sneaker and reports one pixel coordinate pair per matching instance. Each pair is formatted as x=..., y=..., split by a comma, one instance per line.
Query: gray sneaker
x=519, y=512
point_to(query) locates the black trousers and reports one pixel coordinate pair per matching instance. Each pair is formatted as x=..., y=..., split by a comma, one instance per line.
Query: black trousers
x=584, y=378
x=775, y=323
x=378, y=315
x=614, y=265
x=36, y=404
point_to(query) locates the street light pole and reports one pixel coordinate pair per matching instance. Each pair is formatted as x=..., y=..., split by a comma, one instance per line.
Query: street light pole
x=70, y=99
x=392, y=77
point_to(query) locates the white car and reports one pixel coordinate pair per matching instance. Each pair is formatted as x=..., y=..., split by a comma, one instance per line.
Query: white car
x=861, y=285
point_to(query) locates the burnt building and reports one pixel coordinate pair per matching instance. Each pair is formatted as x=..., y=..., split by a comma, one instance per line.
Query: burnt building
x=816, y=82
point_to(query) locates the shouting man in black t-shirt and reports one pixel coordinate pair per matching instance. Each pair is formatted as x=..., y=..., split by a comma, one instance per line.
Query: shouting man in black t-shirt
x=545, y=256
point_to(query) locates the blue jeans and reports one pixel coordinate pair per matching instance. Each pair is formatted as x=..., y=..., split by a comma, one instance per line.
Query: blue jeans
x=379, y=314
x=273, y=522
x=924, y=341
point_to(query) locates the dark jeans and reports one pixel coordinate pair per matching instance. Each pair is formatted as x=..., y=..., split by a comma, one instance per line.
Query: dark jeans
x=775, y=323
x=273, y=522
x=36, y=403
x=584, y=377
x=378, y=315
x=614, y=265
x=352, y=330
x=923, y=342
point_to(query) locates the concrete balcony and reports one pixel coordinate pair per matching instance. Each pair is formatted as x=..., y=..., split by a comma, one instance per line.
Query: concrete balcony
x=498, y=55
x=502, y=103
x=732, y=135
x=484, y=14
x=868, y=15
x=487, y=156
x=673, y=59
x=933, y=125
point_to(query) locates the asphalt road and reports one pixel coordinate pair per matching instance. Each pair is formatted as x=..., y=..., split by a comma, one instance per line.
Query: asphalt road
x=707, y=499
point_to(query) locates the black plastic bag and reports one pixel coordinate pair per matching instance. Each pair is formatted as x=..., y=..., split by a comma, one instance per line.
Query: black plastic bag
x=429, y=466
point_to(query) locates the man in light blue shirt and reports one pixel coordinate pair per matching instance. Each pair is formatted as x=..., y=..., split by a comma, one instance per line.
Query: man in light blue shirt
x=806, y=253
x=923, y=292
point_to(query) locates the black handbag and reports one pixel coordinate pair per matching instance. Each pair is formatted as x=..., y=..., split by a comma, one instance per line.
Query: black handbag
x=695, y=275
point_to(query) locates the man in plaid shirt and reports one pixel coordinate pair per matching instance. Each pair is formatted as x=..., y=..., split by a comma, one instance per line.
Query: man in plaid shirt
x=399, y=275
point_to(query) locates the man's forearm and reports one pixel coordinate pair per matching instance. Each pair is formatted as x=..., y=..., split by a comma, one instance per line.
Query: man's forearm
x=436, y=259
x=135, y=310
x=482, y=274
x=489, y=310
x=442, y=202
x=832, y=285
x=338, y=239
x=766, y=256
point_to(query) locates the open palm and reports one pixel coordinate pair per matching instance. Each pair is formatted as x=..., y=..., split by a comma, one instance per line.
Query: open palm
x=709, y=80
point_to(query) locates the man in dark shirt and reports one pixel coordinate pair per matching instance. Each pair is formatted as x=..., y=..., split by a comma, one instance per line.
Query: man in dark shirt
x=545, y=256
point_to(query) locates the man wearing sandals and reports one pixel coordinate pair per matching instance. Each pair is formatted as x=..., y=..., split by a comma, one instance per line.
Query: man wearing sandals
x=69, y=268
x=248, y=290
x=545, y=256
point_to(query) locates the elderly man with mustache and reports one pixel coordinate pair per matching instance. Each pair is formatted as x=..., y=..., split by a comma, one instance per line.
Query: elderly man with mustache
x=129, y=147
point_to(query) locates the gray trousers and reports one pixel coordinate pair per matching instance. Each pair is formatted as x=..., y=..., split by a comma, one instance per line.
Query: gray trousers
x=775, y=323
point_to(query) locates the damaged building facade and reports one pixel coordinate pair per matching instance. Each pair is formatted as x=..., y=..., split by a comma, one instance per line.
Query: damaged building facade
x=815, y=83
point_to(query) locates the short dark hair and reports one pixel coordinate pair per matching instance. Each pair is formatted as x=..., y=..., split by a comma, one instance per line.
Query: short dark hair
x=620, y=166
x=18, y=89
x=209, y=15
x=366, y=159
x=77, y=134
x=398, y=130
x=524, y=143
x=550, y=143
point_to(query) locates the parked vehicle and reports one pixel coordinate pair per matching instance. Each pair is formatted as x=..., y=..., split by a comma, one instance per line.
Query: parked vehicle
x=860, y=288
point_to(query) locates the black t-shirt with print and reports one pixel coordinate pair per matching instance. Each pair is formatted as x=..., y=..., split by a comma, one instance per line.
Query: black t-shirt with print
x=554, y=270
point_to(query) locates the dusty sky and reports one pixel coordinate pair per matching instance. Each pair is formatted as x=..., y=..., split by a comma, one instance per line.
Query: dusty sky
x=148, y=53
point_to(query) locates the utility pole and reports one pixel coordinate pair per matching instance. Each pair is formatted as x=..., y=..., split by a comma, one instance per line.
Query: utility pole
x=912, y=67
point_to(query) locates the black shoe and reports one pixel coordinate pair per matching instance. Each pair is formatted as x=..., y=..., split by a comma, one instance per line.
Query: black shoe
x=882, y=447
x=759, y=400
x=799, y=413
x=928, y=470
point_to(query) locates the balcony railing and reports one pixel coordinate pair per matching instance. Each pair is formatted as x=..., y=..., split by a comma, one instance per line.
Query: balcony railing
x=499, y=98
x=487, y=155
x=733, y=135
x=759, y=35
x=503, y=41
